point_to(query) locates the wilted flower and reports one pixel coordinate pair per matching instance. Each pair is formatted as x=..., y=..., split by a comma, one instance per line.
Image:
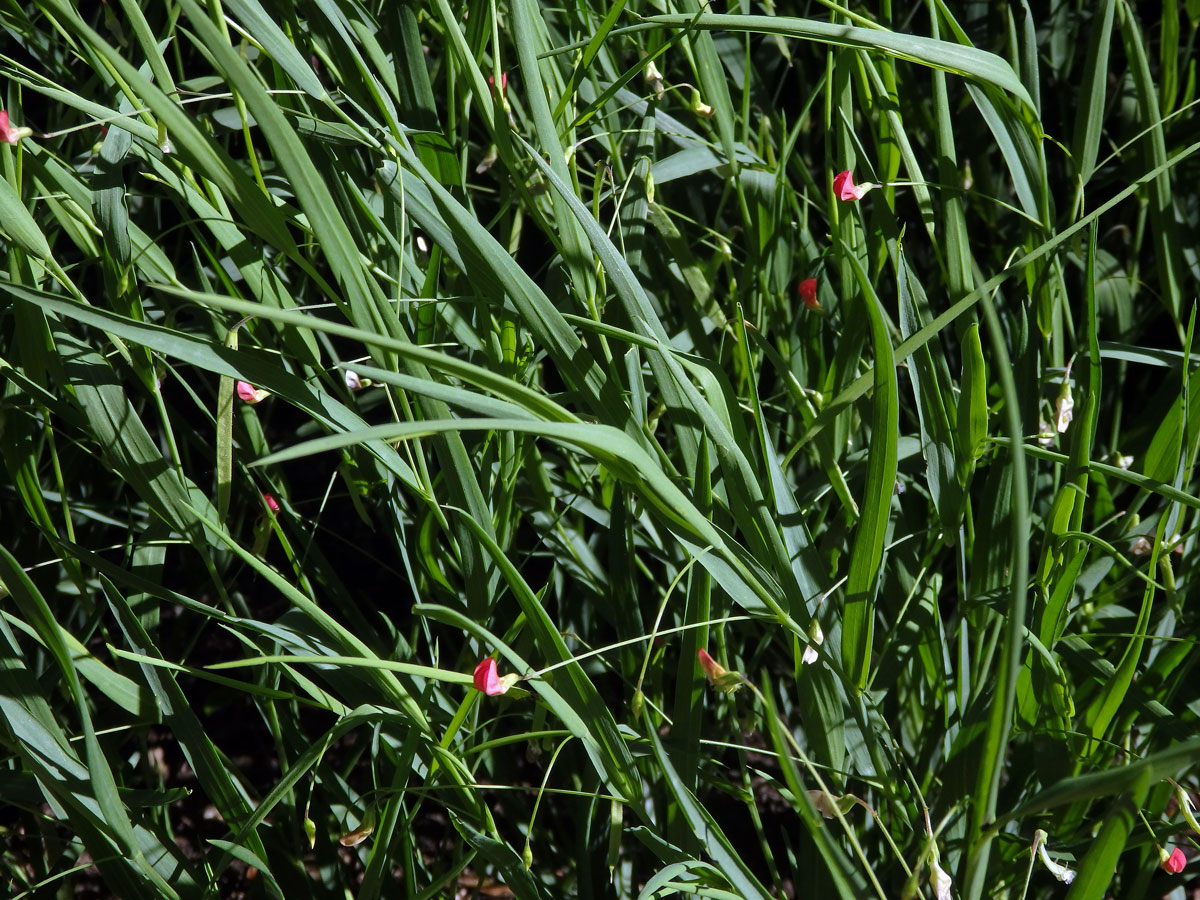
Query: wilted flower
x=939, y=880
x=808, y=293
x=1064, y=408
x=362, y=832
x=712, y=669
x=699, y=107
x=1045, y=435
x=829, y=806
x=816, y=637
x=488, y=161
x=250, y=394
x=1061, y=872
x=1141, y=547
x=846, y=189
x=488, y=681
x=718, y=676
x=653, y=78
x=9, y=133
x=1173, y=862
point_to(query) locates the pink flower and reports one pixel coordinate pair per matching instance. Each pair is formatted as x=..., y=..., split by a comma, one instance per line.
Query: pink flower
x=503, y=83
x=808, y=293
x=272, y=503
x=10, y=134
x=250, y=394
x=488, y=681
x=1173, y=862
x=846, y=189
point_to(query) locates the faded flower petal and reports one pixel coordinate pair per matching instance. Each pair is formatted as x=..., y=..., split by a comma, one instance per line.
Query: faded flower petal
x=939, y=881
x=1061, y=872
x=718, y=676
x=699, y=107
x=712, y=669
x=1064, y=411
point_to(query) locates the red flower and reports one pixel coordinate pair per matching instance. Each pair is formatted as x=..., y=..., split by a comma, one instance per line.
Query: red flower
x=1174, y=862
x=272, y=503
x=808, y=293
x=503, y=83
x=846, y=189
x=488, y=681
x=712, y=669
x=9, y=133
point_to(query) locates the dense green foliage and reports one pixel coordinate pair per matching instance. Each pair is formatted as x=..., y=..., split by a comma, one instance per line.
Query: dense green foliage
x=592, y=429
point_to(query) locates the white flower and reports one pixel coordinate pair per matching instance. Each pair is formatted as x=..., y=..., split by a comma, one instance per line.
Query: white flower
x=1062, y=873
x=816, y=637
x=1064, y=410
x=353, y=382
x=1045, y=435
x=939, y=881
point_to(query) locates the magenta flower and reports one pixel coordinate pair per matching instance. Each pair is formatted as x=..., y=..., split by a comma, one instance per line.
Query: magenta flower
x=808, y=293
x=846, y=189
x=503, y=83
x=250, y=394
x=488, y=680
x=9, y=133
x=272, y=503
x=1173, y=862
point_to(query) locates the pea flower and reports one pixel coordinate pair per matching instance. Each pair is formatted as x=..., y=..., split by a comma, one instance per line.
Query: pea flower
x=353, y=382
x=653, y=78
x=1061, y=872
x=712, y=669
x=503, y=83
x=718, y=676
x=939, y=880
x=9, y=133
x=272, y=503
x=250, y=394
x=699, y=107
x=1172, y=863
x=846, y=189
x=808, y=293
x=816, y=637
x=488, y=681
